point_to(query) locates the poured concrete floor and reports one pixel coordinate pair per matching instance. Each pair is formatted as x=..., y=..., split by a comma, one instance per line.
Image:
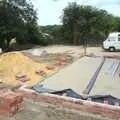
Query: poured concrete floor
x=76, y=76
x=106, y=83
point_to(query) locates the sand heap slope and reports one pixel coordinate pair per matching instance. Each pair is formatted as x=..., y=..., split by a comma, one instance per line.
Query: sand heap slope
x=16, y=69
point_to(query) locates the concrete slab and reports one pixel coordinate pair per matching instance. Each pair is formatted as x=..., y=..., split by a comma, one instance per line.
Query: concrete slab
x=76, y=76
x=106, y=83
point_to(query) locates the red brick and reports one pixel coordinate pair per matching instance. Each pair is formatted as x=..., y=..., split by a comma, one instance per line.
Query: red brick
x=62, y=59
x=22, y=78
x=10, y=102
x=40, y=72
x=58, y=64
x=50, y=67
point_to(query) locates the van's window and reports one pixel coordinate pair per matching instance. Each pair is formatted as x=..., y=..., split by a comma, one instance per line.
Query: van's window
x=112, y=38
x=119, y=37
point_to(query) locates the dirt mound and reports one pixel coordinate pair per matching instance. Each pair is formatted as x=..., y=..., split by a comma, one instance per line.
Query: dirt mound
x=16, y=68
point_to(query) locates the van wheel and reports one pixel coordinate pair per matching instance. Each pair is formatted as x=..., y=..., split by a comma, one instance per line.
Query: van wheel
x=111, y=49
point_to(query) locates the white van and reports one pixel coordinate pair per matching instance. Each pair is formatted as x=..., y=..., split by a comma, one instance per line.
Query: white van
x=112, y=43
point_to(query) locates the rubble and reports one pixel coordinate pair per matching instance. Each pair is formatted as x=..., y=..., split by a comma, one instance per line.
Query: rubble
x=10, y=102
x=16, y=68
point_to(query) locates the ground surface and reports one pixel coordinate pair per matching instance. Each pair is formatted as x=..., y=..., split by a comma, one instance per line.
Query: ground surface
x=45, y=111
x=106, y=83
x=75, y=51
x=76, y=76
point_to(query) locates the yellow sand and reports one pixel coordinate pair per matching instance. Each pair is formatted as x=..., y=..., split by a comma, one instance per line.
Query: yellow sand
x=14, y=63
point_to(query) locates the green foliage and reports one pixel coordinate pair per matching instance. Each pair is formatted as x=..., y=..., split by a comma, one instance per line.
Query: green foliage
x=17, y=20
x=55, y=33
x=83, y=23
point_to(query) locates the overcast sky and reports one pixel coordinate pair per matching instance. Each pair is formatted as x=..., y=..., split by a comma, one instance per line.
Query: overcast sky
x=49, y=11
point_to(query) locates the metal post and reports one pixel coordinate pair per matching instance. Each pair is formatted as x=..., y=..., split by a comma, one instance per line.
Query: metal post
x=85, y=46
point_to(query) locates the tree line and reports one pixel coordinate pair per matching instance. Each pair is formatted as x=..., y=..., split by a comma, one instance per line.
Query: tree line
x=80, y=25
x=83, y=24
x=18, y=20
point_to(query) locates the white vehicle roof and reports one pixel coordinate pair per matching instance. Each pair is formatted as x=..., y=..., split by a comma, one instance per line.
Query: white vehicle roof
x=114, y=34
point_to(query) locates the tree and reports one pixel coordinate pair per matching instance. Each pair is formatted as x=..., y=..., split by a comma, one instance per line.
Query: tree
x=55, y=33
x=84, y=23
x=17, y=20
x=70, y=21
x=117, y=19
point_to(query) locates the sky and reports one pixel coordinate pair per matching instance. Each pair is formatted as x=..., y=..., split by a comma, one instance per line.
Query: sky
x=50, y=11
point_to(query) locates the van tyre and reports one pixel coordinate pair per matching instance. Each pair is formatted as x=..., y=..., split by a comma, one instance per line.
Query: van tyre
x=111, y=49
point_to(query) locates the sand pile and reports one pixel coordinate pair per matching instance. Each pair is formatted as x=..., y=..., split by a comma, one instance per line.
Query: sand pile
x=14, y=65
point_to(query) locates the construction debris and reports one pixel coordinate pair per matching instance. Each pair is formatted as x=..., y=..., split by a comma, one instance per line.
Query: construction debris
x=40, y=72
x=10, y=102
x=37, y=52
x=16, y=68
x=22, y=78
x=50, y=67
